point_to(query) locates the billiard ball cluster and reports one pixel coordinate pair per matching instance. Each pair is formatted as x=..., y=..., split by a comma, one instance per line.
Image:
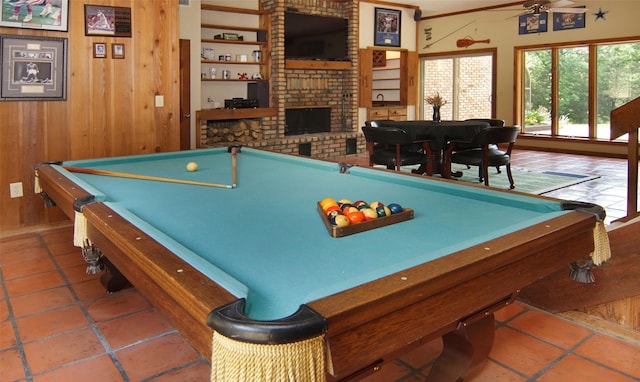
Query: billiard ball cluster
x=343, y=212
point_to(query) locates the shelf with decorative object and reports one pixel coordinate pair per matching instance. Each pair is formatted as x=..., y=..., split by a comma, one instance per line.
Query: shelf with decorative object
x=232, y=79
x=236, y=49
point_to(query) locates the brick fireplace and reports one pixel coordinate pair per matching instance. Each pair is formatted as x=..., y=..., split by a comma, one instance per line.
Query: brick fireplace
x=300, y=88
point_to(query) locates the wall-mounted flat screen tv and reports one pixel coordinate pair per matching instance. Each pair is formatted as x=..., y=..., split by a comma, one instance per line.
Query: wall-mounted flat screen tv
x=313, y=37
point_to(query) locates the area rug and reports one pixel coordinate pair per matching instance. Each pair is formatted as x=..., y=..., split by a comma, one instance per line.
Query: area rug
x=532, y=182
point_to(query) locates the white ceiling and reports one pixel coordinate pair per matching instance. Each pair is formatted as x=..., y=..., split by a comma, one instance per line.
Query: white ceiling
x=436, y=7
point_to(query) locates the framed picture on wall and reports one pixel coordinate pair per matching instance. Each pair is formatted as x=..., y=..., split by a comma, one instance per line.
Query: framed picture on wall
x=46, y=14
x=528, y=24
x=33, y=68
x=387, y=23
x=563, y=21
x=117, y=50
x=102, y=20
x=99, y=50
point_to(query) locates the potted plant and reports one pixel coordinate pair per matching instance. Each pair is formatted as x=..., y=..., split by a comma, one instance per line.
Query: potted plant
x=436, y=101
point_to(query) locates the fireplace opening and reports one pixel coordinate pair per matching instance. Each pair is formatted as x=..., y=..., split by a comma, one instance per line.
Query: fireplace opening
x=307, y=120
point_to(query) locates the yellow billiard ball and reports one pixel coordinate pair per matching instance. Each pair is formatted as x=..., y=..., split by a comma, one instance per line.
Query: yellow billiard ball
x=192, y=166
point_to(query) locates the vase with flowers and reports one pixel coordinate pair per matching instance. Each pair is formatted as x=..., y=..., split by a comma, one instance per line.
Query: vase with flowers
x=436, y=101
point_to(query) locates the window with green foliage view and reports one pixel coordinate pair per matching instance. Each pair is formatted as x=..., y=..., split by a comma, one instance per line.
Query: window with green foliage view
x=556, y=90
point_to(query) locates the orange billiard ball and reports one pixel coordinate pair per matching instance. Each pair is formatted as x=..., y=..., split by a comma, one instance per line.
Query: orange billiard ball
x=349, y=209
x=355, y=217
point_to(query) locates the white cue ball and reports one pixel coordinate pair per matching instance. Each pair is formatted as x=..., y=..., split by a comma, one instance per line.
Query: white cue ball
x=192, y=166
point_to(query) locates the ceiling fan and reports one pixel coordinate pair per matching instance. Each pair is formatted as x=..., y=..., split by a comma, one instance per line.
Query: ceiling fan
x=536, y=7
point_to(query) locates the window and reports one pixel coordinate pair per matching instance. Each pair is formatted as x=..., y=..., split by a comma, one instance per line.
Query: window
x=466, y=81
x=569, y=91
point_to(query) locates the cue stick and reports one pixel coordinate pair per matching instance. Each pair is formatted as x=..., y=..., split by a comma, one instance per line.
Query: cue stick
x=142, y=177
x=234, y=166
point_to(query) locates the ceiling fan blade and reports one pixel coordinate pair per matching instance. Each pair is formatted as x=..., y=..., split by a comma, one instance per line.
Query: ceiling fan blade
x=568, y=10
x=561, y=3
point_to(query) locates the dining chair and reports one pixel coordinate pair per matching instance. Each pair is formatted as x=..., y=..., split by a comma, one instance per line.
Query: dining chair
x=486, y=153
x=393, y=148
x=492, y=122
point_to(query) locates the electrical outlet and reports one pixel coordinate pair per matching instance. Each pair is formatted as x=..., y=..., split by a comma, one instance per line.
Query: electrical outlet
x=15, y=190
x=159, y=101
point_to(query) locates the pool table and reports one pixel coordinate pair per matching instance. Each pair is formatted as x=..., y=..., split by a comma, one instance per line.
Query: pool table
x=255, y=262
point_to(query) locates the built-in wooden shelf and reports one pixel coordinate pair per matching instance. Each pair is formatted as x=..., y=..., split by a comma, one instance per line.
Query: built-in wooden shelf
x=218, y=114
x=219, y=62
x=230, y=80
x=234, y=42
x=222, y=8
x=317, y=64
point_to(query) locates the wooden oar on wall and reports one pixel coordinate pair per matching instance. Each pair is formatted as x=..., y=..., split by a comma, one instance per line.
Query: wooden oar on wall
x=468, y=41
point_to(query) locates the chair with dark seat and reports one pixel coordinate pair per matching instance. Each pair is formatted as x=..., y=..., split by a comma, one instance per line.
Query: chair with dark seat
x=392, y=147
x=486, y=152
x=492, y=122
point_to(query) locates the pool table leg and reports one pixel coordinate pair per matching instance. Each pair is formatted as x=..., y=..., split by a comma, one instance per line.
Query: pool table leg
x=463, y=349
x=112, y=279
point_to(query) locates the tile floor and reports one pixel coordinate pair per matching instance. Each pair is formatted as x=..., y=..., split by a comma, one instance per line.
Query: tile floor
x=58, y=324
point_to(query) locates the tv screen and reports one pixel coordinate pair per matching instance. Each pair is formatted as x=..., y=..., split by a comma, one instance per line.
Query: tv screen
x=313, y=37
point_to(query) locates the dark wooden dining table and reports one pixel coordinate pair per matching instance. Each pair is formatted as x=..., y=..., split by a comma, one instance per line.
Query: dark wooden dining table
x=438, y=134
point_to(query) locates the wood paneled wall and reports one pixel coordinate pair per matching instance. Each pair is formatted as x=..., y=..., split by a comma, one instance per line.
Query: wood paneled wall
x=110, y=107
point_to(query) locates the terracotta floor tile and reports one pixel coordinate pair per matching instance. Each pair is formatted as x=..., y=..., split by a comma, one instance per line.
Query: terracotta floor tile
x=20, y=255
x=89, y=290
x=18, y=243
x=550, y=328
x=30, y=284
x=154, y=356
x=59, y=237
x=197, y=372
x=56, y=351
x=11, y=368
x=51, y=322
x=116, y=305
x=490, y=371
x=95, y=369
x=78, y=273
x=29, y=268
x=522, y=352
x=7, y=335
x=509, y=311
x=135, y=327
x=576, y=369
x=615, y=353
x=70, y=259
x=64, y=248
x=4, y=309
x=41, y=301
